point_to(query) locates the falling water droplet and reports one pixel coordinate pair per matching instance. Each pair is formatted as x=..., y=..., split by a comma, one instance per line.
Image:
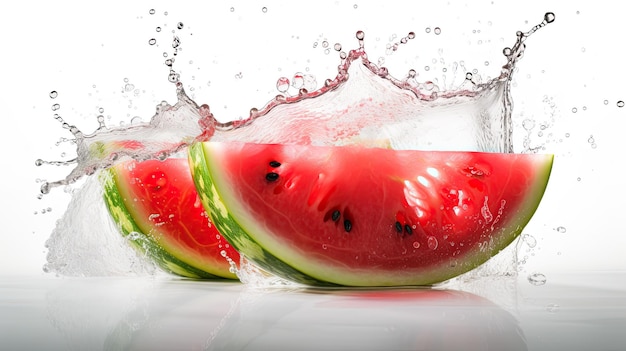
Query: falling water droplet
x=282, y=84
x=153, y=41
x=528, y=124
x=620, y=103
x=54, y=94
x=530, y=240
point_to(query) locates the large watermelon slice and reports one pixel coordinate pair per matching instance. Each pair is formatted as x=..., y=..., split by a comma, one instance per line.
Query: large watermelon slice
x=155, y=203
x=367, y=216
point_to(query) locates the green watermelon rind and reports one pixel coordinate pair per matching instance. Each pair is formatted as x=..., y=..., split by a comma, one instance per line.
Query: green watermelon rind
x=234, y=233
x=202, y=173
x=141, y=241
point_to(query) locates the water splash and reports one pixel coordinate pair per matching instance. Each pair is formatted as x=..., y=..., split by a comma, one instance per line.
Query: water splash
x=368, y=105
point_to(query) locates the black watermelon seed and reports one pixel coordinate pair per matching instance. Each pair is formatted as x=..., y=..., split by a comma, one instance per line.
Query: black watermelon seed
x=335, y=215
x=408, y=229
x=274, y=164
x=347, y=225
x=271, y=176
x=399, y=227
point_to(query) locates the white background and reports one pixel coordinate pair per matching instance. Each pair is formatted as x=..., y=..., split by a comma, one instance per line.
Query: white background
x=85, y=50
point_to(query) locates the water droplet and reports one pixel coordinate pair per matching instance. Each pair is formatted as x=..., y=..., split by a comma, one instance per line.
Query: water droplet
x=549, y=17
x=39, y=162
x=529, y=240
x=337, y=47
x=416, y=244
x=578, y=179
x=360, y=35
x=152, y=41
x=537, y=279
x=264, y=9
x=173, y=77
x=232, y=9
x=152, y=11
x=45, y=188
x=437, y=30
x=591, y=140
x=55, y=107
x=561, y=229
x=427, y=29
x=606, y=102
x=432, y=243
x=355, y=6
x=620, y=103
x=180, y=25
x=54, y=94
x=528, y=124
x=574, y=110
x=282, y=84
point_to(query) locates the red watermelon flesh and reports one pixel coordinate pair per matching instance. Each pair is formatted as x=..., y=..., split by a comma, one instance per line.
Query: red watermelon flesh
x=367, y=216
x=157, y=201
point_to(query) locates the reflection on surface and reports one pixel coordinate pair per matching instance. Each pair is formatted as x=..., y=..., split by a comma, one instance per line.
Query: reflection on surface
x=390, y=319
x=163, y=313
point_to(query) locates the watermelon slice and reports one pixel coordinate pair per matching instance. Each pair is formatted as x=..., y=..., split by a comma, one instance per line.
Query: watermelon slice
x=361, y=216
x=155, y=203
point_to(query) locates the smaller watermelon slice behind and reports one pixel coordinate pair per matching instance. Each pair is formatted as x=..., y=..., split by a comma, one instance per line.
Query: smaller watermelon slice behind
x=359, y=216
x=155, y=204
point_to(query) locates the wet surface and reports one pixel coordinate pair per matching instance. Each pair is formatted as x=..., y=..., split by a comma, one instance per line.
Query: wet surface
x=572, y=312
